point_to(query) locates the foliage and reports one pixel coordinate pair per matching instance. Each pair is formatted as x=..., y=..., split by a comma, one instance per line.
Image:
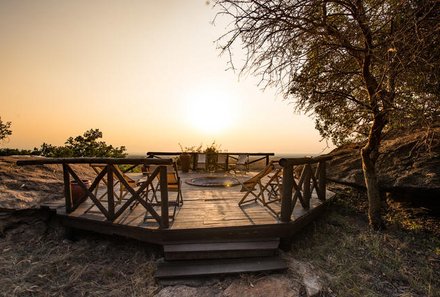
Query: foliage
x=86, y=145
x=191, y=149
x=209, y=149
x=345, y=61
x=212, y=149
x=362, y=67
x=10, y=152
x=5, y=130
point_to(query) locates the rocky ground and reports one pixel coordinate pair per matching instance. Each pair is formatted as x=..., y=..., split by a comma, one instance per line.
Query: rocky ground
x=337, y=255
x=24, y=187
x=408, y=162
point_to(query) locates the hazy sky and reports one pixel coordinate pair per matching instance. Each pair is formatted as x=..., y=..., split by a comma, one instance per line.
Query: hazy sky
x=146, y=73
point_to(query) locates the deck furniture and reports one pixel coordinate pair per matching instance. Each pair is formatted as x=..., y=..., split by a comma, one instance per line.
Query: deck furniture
x=221, y=163
x=275, y=184
x=242, y=164
x=258, y=188
x=201, y=161
x=174, y=184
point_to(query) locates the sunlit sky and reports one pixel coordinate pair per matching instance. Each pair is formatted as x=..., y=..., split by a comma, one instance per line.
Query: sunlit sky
x=146, y=73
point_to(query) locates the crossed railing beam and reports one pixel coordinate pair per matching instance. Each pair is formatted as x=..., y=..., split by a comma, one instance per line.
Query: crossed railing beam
x=302, y=188
x=110, y=173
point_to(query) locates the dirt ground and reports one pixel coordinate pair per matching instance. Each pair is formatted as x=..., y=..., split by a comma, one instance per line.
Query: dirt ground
x=24, y=187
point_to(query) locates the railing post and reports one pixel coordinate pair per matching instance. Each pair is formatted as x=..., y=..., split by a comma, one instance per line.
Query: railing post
x=67, y=193
x=307, y=194
x=322, y=182
x=286, y=198
x=267, y=160
x=165, y=222
x=110, y=191
x=194, y=159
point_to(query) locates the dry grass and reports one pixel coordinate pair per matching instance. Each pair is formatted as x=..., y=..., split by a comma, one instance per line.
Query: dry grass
x=359, y=262
x=36, y=260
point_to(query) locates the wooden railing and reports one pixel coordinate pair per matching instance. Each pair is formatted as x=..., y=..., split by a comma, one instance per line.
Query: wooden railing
x=312, y=176
x=234, y=156
x=108, y=173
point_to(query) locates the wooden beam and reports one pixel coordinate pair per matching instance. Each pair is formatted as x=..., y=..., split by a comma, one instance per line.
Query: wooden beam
x=165, y=222
x=230, y=153
x=307, y=193
x=67, y=192
x=146, y=161
x=322, y=182
x=110, y=192
x=300, y=161
x=89, y=193
x=286, y=198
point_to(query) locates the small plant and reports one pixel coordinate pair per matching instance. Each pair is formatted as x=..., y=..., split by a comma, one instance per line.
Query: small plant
x=191, y=149
x=212, y=149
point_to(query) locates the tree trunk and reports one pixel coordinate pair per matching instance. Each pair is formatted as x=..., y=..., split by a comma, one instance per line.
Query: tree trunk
x=369, y=155
x=373, y=191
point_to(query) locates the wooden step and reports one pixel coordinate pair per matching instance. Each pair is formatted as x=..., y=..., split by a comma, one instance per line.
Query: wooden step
x=179, y=269
x=221, y=250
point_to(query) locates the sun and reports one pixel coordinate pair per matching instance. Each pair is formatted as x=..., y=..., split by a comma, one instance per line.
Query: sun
x=210, y=111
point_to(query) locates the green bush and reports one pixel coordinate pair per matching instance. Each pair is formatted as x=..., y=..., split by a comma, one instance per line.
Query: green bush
x=9, y=152
x=86, y=145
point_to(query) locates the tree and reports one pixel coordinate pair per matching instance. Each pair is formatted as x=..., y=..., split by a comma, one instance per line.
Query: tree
x=363, y=67
x=5, y=130
x=86, y=145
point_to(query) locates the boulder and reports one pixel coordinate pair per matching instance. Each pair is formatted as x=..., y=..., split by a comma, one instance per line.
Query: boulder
x=409, y=164
x=269, y=286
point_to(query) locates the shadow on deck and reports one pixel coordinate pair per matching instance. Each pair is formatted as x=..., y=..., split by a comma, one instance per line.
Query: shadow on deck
x=207, y=213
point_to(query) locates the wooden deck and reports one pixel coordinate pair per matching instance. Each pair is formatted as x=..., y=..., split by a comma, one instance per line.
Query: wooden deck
x=205, y=210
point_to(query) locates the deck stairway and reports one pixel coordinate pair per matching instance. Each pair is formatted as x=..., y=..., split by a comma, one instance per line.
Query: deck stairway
x=204, y=258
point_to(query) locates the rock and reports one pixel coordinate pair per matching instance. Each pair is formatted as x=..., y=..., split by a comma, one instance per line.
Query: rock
x=268, y=286
x=313, y=283
x=25, y=187
x=405, y=164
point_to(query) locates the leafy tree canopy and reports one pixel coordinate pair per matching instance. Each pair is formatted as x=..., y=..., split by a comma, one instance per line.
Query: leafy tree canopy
x=5, y=130
x=87, y=145
x=345, y=61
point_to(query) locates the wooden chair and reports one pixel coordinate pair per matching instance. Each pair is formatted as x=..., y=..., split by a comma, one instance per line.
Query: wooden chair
x=174, y=184
x=242, y=163
x=265, y=191
x=221, y=162
x=201, y=161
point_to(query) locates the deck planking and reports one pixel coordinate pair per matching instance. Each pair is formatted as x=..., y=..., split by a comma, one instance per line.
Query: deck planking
x=204, y=207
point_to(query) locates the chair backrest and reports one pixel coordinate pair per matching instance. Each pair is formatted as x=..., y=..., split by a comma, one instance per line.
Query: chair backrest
x=126, y=177
x=172, y=174
x=243, y=159
x=254, y=180
x=201, y=158
x=99, y=167
x=221, y=158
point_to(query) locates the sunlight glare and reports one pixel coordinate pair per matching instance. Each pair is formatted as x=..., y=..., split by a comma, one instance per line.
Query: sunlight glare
x=210, y=111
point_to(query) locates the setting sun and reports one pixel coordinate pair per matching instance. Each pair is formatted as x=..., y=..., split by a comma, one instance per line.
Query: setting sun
x=210, y=111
